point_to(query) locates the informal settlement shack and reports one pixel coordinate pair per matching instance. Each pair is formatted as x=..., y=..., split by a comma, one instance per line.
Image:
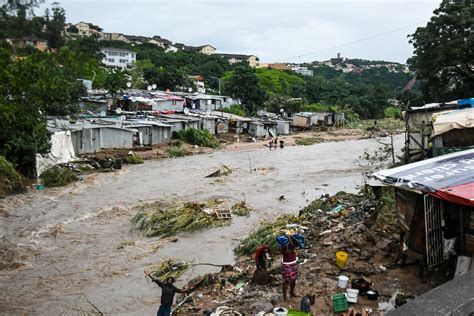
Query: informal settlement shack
x=428, y=193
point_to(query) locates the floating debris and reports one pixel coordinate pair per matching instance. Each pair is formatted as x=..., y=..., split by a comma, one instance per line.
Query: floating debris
x=187, y=217
x=168, y=268
x=241, y=209
x=222, y=171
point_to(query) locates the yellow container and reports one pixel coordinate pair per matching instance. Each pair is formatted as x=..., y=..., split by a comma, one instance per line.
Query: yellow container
x=341, y=259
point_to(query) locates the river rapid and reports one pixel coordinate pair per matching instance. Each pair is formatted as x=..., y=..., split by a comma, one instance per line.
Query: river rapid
x=70, y=241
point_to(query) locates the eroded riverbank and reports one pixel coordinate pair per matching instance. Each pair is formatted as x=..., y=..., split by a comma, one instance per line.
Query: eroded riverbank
x=70, y=237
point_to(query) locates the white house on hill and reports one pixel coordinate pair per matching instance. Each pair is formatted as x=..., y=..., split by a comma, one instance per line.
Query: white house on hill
x=118, y=57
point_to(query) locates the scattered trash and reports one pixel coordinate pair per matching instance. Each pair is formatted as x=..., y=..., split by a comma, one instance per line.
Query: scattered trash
x=339, y=303
x=342, y=281
x=341, y=259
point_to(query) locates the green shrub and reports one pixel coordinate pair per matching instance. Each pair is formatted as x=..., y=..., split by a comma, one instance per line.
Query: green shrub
x=236, y=109
x=392, y=112
x=133, y=160
x=199, y=137
x=58, y=176
x=174, y=152
x=10, y=179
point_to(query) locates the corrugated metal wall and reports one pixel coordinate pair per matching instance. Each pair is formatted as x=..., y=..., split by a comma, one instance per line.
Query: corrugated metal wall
x=115, y=138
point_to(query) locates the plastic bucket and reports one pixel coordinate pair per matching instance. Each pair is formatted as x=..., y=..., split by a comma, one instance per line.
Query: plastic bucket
x=341, y=259
x=352, y=295
x=280, y=311
x=342, y=281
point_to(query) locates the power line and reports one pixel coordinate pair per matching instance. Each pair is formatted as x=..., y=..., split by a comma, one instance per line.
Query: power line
x=353, y=42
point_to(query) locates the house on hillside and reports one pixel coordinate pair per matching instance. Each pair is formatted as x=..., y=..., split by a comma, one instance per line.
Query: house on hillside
x=204, y=49
x=304, y=71
x=252, y=60
x=115, y=37
x=28, y=41
x=88, y=30
x=118, y=57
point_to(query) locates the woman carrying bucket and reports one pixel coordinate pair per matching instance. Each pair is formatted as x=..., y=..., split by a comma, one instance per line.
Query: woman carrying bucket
x=289, y=270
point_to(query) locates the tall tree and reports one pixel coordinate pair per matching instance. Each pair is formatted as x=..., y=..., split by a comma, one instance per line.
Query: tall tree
x=22, y=122
x=243, y=84
x=444, y=51
x=55, y=23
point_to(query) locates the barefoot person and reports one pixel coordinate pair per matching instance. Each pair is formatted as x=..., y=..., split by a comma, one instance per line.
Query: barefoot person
x=167, y=294
x=289, y=270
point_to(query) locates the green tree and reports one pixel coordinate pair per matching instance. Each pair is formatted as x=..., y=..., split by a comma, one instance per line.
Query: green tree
x=243, y=83
x=55, y=26
x=444, y=55
x=115, y=82
x=22, y=122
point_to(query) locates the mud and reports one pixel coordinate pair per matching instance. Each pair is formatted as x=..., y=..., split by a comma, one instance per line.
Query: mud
x=79, y=254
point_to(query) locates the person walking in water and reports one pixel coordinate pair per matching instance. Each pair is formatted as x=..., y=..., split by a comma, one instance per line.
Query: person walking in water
x=270, y=144
x=282, y=144
x=167, y=294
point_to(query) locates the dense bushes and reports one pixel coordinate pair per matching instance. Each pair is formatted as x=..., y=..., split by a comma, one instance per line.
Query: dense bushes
x=198, y=137
x=10, y=180
x=58, y=176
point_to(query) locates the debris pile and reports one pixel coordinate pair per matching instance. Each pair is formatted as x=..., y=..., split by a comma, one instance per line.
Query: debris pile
x=186, y=217
x=341, y=223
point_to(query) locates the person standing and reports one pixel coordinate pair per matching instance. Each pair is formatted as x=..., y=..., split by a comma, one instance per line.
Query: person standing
x=289, y=270
x=167, y=294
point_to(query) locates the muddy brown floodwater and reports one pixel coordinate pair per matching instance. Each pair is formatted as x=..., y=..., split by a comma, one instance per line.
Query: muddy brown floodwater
x=75, y=250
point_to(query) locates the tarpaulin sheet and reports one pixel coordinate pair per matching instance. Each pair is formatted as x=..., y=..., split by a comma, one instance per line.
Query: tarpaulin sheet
x=447, y=121
x=450, y=177
x=61, y=151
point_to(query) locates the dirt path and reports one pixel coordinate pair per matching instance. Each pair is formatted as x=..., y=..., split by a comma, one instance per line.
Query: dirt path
x=74, y=247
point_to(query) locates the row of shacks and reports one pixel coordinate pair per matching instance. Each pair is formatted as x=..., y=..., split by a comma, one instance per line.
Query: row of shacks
x=435, y=196
x=91, y=135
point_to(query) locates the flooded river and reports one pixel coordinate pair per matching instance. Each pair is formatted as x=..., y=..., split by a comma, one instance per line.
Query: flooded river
x=70, y=241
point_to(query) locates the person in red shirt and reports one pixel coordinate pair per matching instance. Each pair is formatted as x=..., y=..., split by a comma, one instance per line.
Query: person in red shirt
x=261, y=256
x=289, y=270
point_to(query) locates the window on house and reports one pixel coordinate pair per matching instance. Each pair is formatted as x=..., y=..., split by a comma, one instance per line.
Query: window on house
x=111, y=60
x=174, y=102
x=123, y=61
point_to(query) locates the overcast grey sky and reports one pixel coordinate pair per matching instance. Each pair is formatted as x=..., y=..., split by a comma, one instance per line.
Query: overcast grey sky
x=274, y=30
